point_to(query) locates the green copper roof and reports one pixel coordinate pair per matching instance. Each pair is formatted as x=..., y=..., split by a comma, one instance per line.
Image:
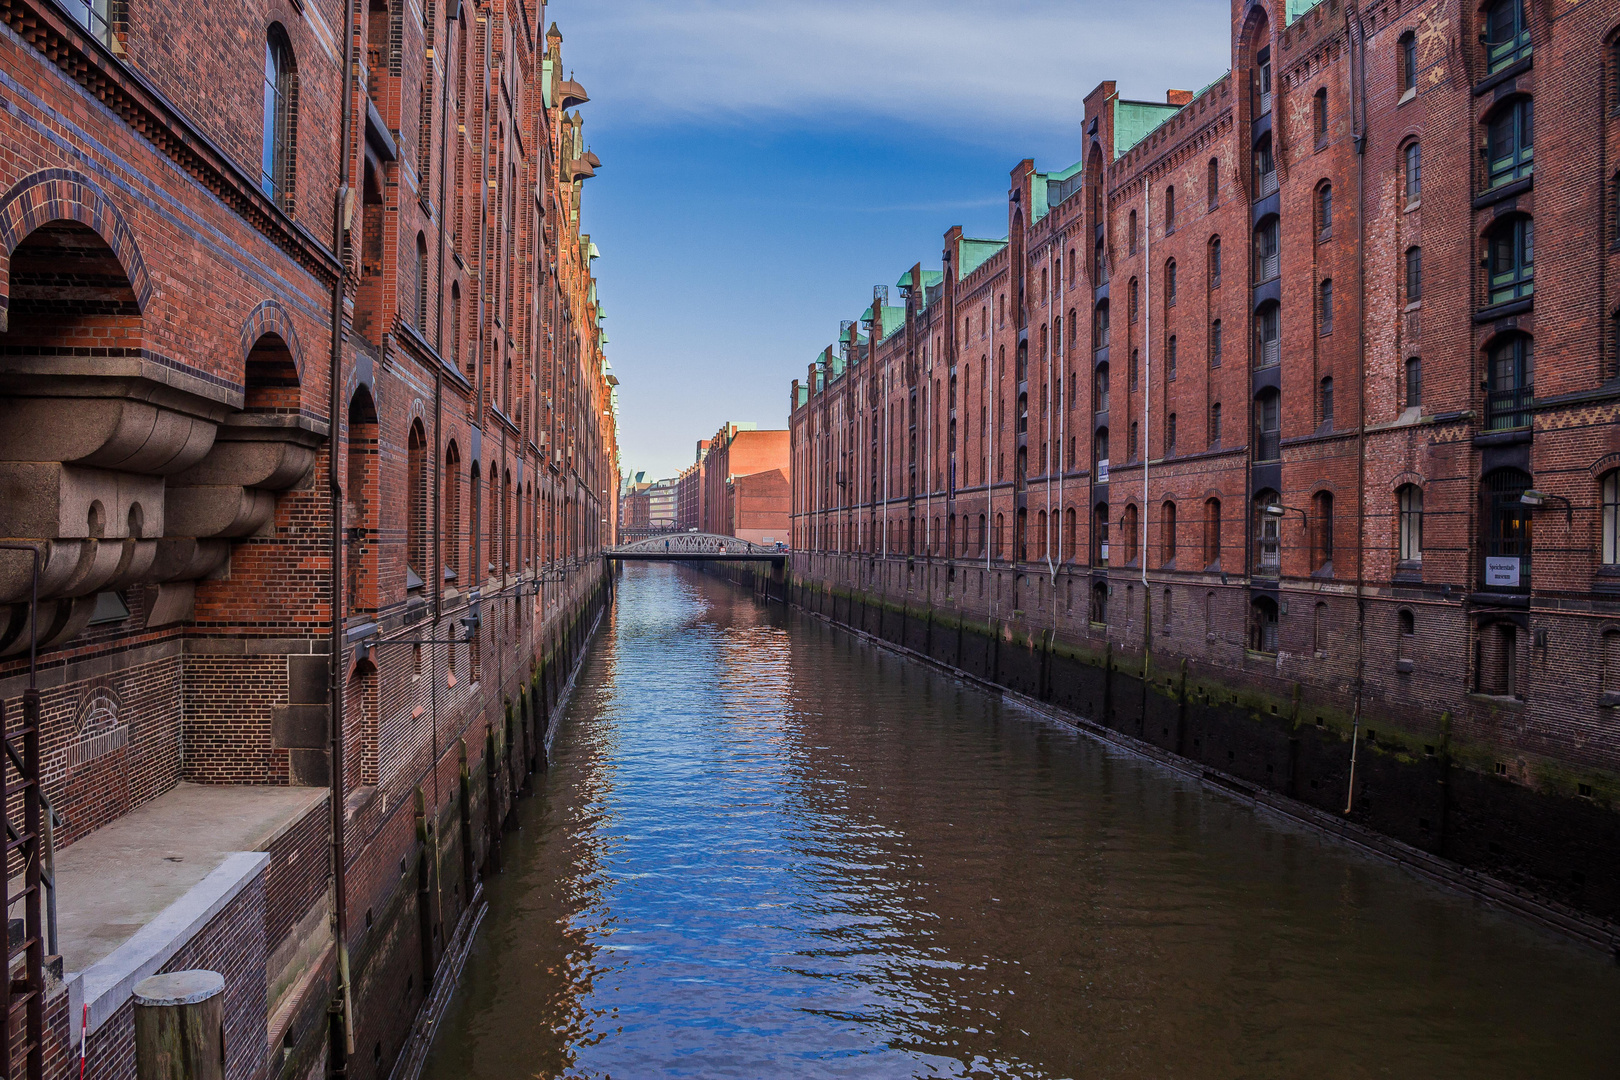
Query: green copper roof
x=929, y=277
x=972, y=254
x=595, y=254
x=1296, y=8
x=1136, y=120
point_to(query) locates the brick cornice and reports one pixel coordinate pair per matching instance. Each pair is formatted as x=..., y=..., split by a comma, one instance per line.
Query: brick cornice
x=122, y=90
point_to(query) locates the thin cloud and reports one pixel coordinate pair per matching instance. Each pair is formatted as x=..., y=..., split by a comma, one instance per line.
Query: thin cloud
x=949, y=65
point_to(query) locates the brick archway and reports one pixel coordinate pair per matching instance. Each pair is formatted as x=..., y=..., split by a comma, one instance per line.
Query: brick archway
x=270, y=317
x=64, y=195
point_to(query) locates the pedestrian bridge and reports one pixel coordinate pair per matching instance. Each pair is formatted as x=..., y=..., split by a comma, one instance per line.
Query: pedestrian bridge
x=695, y=547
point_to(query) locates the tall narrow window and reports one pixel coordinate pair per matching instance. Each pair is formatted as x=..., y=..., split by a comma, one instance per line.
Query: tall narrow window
x=1267, y=249
x=1136, y=356
x=1414, y=382
x=1170, y=284
x=1322, y=531
x=1610, y=490
x=1324, y=307
x=1512, y=259
x=1319, y=115
x=1170, y=209
x=1326, y=399
x=452, y=515
x=1170, y=359
x=275, y=162
x=1263, y=625
x=421, y=298
x=1214, y=183
x=1099, y=388
x=1212, y=532
x=1215, y=344
x=1267, y=336
x=416, y=503
x=1507, y=34
x=1262, y=82
x=1414, y=274
x=1408, y=72
x=1409, y=501
x=1132, y=540
x=475, y=514
x=1099, y=327
x=1324, y=212
x=1130, y=236
x=1131, y=448
x=1268, y=515
x=1265, y=168
x=1510, y=142
x=1170, y=435
x=1215, y=424
x=455, y=325
x=1132, y=298
x=1267, y=426
x=1414, y=173
x=1215, y=263
x=1509, y=378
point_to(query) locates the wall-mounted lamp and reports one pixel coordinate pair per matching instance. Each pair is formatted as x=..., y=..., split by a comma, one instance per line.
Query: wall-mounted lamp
x=1537, y=499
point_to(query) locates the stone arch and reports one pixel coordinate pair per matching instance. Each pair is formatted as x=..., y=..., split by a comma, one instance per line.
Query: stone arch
x=64, y=195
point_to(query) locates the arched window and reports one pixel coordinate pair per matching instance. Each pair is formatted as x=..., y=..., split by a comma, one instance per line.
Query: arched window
x=1170, y=435
x=1413, y=389
x=1263, y=624
x=1262, y=79
x=1414, y=274
x=1405, y=635
x=1319, y=115
x=1510, y=142
x=1213, y=183
x=1324, y=307
x=1023, y=413
x=1136, y=357
x=1214, y=262
x=1408, y=61
x=1215, y=424
x=360, y=502
x=1099, y=604
x=1170, y=284
x=1509, y=379
x=1507, y=34
x=416, y=522
x=1322, y=531
x=1169, y=617
x=1130, y=236
x=1609, y=489
x=1212, y=532
x=1414, y=172
x=1170, y=209
x=1512, y=259
x=1132, y=539
x=1324, y=212
x=421, y=298
x=982, y=531
x=1167, y=533
x=455, y=325
x=1409, y=502
x=1265, y=168
x=1267, y=249
x=1099, y=327
x=1268, y=515
x=1267, y=335
x=475, y=514
x=452, y=513
x=1099, y=535
x=1000, y=525
x=1215, y=344
x=1325, y=402
x=1132, y=298
x=1267, y=425
x=1170, y=359
x=1099, y=388
x=276, y=156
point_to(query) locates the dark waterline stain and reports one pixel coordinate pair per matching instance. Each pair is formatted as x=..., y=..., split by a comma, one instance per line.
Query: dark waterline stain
x=767, y=849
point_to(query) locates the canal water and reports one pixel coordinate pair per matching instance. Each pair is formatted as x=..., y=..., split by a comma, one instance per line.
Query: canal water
x=767, y=849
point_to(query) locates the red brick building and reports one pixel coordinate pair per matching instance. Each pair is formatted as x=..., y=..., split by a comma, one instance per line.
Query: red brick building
x=301, y=389
x=741, y=495
x=689, y=492
x=1266, y=402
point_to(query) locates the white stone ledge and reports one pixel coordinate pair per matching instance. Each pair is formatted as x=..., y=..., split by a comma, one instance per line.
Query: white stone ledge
x=109, y=982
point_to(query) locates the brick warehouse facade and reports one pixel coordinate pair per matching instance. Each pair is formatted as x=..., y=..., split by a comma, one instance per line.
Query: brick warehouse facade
x=270, y=341
x=1227, y=444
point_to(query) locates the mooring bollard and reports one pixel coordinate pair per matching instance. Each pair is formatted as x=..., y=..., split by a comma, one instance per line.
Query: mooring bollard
x=180, y=1026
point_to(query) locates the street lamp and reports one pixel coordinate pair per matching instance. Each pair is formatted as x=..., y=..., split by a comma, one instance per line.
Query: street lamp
x=1537, y=499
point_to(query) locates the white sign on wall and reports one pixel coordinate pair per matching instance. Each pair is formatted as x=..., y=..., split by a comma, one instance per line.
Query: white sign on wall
x=1102, y=471
x=1502, y=572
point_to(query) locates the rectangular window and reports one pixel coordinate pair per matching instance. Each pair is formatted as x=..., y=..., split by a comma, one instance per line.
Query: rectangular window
x=1414, y=275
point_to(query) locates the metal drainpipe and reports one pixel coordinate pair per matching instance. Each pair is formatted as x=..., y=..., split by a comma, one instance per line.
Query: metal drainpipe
x=335, y=597
x=1359, y=72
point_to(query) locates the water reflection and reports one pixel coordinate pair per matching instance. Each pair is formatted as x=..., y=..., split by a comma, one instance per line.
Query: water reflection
x=766, y=849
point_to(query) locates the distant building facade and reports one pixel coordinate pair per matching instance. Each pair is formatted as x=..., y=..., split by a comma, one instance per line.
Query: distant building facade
x=740, y=454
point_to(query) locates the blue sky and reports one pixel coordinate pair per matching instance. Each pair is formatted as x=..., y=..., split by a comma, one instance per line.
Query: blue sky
x=765, y=163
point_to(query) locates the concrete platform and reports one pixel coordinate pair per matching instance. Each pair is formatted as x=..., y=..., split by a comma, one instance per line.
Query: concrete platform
x=118, y=879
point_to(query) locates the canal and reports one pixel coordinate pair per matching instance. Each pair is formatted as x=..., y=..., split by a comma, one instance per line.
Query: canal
x=765, y=848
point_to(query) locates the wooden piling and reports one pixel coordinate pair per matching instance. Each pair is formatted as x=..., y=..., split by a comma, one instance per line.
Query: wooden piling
x=180, y=1026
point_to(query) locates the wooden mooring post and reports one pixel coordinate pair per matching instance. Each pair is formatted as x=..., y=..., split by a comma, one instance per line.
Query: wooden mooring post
x=180, y=1026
